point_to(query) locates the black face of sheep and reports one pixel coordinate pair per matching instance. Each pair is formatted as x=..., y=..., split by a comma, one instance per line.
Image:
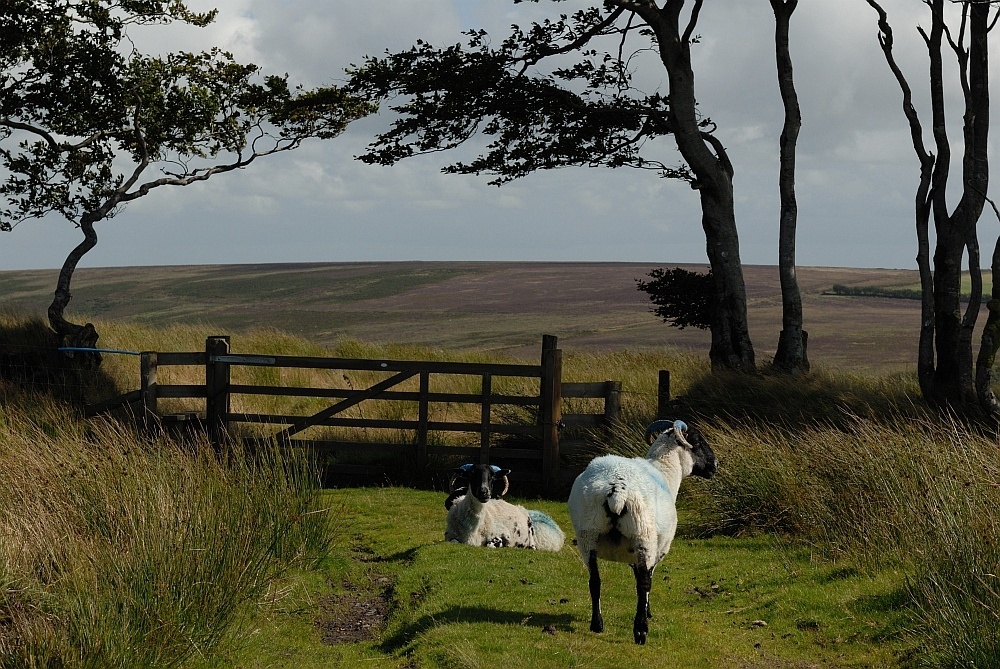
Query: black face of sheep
x=481, y=480
x=705, y=462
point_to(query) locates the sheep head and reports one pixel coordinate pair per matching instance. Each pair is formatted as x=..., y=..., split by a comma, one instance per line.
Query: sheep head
x=691, y=440
x=480, y=480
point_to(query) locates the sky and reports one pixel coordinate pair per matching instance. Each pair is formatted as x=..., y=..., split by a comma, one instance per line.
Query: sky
x=856, y=177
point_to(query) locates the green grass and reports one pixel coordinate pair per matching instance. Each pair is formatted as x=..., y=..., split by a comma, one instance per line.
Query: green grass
x=460, y=606
x=122, y=551
x=854, y=522
x=908, y=291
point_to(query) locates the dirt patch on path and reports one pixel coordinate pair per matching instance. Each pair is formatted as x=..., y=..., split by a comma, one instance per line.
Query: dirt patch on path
x=357, y=615
x=360, y=611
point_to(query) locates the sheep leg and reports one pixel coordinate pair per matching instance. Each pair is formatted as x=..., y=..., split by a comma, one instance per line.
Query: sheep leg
x=643, y=584
x=596, y=619
x=649, y=611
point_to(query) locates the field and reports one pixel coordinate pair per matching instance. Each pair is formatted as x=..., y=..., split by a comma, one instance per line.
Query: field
x=468, y=306
x=848, y=526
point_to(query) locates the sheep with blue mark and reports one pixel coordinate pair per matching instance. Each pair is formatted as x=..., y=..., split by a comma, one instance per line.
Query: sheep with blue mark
x=624, y=510
x=478, y=517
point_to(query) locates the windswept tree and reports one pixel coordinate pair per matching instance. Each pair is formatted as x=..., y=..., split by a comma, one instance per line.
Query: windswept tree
x=89, y=123
x=791, y=354
x=944, y=364
x=564, y=92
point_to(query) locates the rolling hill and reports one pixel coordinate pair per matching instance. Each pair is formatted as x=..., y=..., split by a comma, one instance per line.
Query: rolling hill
x=478, y=305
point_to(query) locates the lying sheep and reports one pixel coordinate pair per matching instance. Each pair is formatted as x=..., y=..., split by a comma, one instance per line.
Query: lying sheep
x=623, y=510
x=478, y=518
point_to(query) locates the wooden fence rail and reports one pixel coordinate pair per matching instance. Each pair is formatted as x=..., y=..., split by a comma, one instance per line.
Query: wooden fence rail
x=532, y=449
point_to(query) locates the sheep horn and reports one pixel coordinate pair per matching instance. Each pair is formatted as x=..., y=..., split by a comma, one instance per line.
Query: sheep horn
x=506, y=486
x=656, y=427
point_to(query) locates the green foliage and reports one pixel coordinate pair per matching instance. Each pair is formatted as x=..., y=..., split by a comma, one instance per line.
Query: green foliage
x=584, y=113
x=682, y=297
x=914, y=493
x=80, y=98
x=875, y=291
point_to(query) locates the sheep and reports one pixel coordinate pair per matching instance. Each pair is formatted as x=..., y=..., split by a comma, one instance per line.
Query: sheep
x=479, y=518
x=623, y=510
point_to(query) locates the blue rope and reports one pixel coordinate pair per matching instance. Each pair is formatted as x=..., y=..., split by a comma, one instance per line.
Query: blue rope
x=98, y=350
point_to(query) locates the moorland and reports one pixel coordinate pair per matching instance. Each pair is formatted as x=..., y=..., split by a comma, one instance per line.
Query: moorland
x=467, y=306
x=848, y=526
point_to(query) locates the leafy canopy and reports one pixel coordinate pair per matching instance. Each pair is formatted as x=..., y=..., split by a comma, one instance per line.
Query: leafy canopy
x=683, y=298
x=83, y=113
x=582, y=111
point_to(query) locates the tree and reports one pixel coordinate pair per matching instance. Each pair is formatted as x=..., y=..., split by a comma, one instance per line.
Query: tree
x=682, y=298
x=791, y=352
x=88, y=123
x=944, y=365
x=587, y=112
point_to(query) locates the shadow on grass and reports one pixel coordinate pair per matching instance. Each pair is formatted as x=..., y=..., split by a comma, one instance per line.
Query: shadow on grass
x=473, y=614
x=30, y=362
x=815, y=398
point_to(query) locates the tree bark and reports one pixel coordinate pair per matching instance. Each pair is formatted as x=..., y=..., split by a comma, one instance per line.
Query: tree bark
x=791, y=353
x=953, y=378
x=990, y=344
x=708, y=161
x=71, y=334
x=945, y=360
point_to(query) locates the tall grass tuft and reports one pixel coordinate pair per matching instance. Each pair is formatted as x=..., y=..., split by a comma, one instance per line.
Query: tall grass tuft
x=917, y=493
x=116, y=551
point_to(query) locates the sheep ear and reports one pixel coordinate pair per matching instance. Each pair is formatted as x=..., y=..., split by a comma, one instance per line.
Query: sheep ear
x=679, y=434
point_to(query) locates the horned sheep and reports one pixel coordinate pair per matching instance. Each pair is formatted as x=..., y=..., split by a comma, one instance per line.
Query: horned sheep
x=624, y=510
x=479, y=518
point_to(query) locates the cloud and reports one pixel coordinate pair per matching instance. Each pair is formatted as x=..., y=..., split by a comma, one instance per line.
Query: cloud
x=856, y=178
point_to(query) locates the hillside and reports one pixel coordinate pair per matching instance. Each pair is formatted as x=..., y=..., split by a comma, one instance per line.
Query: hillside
x=477, y=305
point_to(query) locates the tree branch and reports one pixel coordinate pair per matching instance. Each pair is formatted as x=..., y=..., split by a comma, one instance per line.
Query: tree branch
x=886, y=42
x=720, y=153
x=17, y=125
x=547, y=51
x=693, y=21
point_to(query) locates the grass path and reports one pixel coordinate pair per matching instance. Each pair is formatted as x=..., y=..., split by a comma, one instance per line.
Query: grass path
x=716, y=602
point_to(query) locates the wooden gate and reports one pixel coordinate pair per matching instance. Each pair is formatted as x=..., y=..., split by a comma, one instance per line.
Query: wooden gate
x=531, y=448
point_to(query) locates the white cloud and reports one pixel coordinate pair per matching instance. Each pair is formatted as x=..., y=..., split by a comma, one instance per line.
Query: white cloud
x=856, y=174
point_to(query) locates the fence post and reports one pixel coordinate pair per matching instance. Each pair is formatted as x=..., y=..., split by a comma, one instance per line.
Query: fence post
x=663, y=395
x=216, y=390
x=612, y=402
x=484, y=418
x=147, y=388
x=551, y=409
x=423, y=416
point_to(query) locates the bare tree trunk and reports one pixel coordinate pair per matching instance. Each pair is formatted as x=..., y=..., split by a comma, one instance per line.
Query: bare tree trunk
x=925, y=346
x=731, y=345
x=945, y=361
x=791, y=353
x=713, y=171
x=71, y=334
x=990, y=344
x=953, y=378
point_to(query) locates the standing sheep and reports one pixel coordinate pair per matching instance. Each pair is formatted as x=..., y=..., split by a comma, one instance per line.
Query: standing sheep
x=623, y=510
x=479, y=519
